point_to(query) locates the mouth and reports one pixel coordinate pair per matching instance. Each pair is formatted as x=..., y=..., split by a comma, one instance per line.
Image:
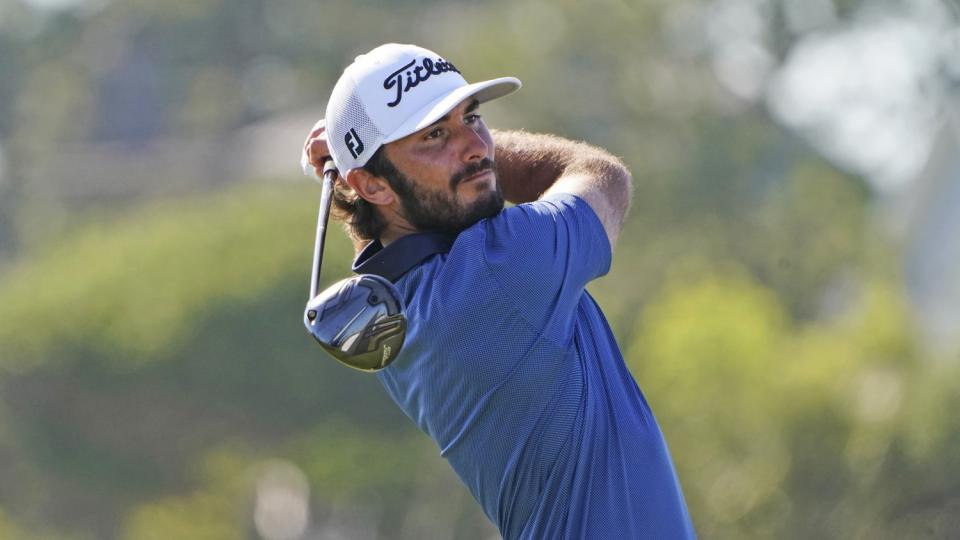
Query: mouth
x=475, y=171
x=476, y=176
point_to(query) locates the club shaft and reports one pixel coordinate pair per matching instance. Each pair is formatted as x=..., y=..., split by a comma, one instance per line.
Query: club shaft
x=326, y=198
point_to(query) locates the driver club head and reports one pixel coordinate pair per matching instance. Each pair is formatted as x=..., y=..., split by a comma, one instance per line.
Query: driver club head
x=359, y=321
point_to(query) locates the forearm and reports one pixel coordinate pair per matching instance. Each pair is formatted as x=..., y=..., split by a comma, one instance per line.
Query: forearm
x=530, y=165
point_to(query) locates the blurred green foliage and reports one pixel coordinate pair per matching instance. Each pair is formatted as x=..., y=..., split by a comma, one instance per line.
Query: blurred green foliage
x=153, y=364
x=130, y=286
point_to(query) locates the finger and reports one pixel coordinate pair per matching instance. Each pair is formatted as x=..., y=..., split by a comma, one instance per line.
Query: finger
x=318, y=152
x=318, y=129
x=305, y=165
x=318, y=146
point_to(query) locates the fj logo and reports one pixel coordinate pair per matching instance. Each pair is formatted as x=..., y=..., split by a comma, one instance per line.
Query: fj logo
x=353, y=142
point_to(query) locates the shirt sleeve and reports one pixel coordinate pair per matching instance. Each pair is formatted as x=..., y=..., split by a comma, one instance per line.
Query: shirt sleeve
x=543, y=254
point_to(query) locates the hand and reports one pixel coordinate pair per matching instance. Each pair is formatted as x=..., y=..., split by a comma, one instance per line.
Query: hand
x=315, y=151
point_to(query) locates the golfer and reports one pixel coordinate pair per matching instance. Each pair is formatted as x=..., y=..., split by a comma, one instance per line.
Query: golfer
x=509, y=365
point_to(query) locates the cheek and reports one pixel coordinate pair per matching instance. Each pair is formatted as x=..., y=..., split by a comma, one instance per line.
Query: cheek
x=426, y=169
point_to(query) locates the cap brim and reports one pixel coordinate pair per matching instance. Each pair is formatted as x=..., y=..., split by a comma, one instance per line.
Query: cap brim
x=433, y=111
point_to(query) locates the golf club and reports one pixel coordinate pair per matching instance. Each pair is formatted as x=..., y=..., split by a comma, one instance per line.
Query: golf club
x=359, y=320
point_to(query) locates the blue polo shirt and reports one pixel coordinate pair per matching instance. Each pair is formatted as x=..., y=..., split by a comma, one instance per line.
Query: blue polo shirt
x=511, y=368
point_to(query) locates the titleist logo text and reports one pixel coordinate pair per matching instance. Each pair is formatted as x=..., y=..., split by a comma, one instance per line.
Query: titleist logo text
x=409, y=76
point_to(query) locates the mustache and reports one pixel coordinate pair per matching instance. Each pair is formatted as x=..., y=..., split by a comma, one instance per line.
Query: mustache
x=486, y=164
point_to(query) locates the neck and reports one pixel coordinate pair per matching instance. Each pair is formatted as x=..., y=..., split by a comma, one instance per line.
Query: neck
x=397, y=226
x=396, y=231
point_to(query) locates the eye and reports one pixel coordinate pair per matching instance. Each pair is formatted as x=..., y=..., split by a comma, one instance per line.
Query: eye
x=472, y=118
x=433, y=134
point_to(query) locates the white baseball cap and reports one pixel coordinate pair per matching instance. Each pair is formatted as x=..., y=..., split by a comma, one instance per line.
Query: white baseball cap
x=391, y=92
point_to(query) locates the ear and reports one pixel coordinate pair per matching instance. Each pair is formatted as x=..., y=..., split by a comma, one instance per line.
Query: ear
x=372, y=188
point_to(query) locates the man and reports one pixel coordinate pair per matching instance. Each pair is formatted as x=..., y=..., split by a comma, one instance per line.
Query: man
x=508, y=363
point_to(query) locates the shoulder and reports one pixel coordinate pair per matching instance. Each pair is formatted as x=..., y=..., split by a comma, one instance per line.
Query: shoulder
x=539, y=219
x=540, y=235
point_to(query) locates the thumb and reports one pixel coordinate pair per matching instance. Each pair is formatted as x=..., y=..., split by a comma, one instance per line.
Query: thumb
x=305, y=164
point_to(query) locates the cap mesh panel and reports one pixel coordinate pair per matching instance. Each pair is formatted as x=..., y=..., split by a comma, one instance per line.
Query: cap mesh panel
x=347, y=115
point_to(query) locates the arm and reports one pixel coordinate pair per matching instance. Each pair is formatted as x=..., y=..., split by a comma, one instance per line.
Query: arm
x=531, y=165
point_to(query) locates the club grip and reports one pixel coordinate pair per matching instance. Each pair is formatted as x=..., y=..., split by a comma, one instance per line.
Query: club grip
x=329, y=167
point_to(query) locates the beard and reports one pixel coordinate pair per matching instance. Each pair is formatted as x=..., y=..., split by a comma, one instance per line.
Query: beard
x=440, y=210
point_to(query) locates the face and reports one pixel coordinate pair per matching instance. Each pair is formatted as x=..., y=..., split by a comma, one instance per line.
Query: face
x=444, y=175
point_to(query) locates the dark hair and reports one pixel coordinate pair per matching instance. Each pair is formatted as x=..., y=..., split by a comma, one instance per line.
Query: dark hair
x=360, y=217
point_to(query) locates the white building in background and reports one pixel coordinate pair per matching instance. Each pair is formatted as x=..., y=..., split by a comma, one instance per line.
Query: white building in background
x=878, y=96
x=931, y=232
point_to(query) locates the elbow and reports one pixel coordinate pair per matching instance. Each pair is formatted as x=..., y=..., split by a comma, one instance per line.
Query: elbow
x=628, y=189
x=616, y=184
x=625, y=180
x=620, y=184
x=613, y=179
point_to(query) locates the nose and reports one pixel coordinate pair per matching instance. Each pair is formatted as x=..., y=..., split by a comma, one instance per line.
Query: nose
x=475, y=145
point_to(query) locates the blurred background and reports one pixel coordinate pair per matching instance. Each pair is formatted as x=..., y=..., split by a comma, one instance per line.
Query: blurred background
x=786, y=293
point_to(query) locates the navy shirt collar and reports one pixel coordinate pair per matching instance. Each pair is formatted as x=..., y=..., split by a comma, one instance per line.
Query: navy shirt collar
x=402, y=254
